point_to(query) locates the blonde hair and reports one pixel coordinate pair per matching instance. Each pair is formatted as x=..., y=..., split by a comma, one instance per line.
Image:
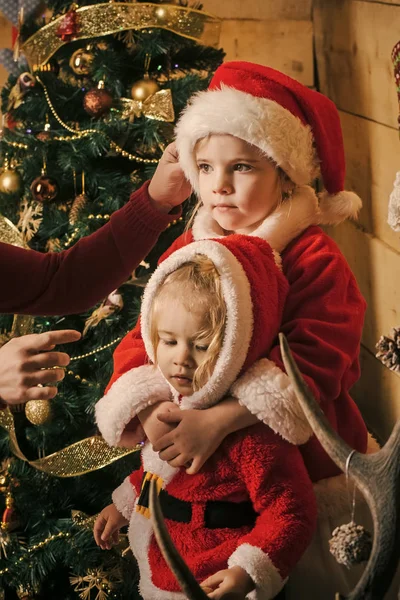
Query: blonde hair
x=200, y=286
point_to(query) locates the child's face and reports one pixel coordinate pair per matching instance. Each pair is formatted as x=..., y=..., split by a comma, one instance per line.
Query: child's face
x=238, y=185
x=179, y=350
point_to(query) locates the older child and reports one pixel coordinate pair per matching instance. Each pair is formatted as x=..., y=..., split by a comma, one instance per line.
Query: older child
x=243, y=521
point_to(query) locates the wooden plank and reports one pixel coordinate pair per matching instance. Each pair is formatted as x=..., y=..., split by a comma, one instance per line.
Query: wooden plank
x=354, y=40
x=283, y=45
x=377, y=394
x=372, y=159
x=5, y=32
x=376, y=267
x=395, y=2
x=260, y=9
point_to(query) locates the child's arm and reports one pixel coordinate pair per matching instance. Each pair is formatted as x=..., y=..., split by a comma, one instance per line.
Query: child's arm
x=196, y=434
x=107, y=526
x=234, y=581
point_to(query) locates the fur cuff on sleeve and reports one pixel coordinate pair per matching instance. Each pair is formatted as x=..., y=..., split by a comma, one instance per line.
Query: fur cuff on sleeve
x=124, y=498
x=266, y=392
x=130, y=394
x=259, y=566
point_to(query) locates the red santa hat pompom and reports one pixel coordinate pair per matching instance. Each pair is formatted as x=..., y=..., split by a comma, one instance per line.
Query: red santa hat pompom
x=298, y=128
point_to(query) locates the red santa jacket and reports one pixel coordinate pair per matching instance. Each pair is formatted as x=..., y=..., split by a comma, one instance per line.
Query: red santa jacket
x=323, y=320
x=253, y=465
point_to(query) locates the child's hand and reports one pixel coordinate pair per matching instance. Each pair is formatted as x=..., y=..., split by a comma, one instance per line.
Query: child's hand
x=230, y=584
x=107, y=526
x=153, y=427
x=195, y=437
x=169, y=187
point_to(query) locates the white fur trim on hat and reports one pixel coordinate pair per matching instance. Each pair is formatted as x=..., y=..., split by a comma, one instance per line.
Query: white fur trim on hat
x=239, y=322
x=335, y=208
x=259, y=121
x=261, y=569
x=130, y=394
x=124, y=498
x=266, y=391
x=282, y=226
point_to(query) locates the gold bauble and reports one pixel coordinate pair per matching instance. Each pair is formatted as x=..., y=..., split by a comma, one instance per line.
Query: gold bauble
x=38, y=412
x=81, y=61
x=143, y=89
x=10, y=182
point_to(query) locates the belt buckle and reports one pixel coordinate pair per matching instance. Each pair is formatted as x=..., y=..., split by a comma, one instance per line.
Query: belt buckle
x=142, y=506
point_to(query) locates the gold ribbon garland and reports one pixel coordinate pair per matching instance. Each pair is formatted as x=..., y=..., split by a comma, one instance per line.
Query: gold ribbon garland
x=158, y=106
x=85, y=456
x=106, y=19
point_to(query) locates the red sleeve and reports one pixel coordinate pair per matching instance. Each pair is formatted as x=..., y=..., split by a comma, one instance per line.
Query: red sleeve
x=74, y=280
x=323, y=317
x=282, y=494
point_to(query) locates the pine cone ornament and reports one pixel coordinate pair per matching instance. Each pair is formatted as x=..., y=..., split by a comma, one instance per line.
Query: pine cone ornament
x=389, y=350
x=76, y=208
x=350, y=544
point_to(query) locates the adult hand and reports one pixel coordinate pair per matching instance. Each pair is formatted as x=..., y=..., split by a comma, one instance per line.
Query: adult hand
x=195, y=437
x=169, y=187
x=27, y=362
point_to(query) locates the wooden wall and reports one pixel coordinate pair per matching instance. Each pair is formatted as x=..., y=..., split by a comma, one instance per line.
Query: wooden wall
x=353, y=42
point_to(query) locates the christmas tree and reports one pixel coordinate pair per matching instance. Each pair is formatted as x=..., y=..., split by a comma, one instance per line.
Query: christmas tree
x=86, y=120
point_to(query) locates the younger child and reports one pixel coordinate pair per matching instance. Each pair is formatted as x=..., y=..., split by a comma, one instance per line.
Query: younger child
x=243, y=521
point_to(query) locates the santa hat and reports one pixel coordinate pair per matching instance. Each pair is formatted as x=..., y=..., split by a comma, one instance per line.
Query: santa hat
x=298, y=128
x=254, y=291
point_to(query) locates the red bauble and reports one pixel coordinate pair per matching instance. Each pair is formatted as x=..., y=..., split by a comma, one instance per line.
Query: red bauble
x=69, y=27
x=97, y=102
x=44, y=188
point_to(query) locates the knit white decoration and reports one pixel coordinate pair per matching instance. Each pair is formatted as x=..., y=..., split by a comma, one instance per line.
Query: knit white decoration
x=394, y=205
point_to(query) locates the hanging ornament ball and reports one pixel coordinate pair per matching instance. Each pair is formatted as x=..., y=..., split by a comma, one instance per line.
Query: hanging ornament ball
x=81, y=61
x=38, y=412
x=44, y=188
x=350, y=544
x=143, y=89
x=97, y=102
x=10, y=182
x=26, y=81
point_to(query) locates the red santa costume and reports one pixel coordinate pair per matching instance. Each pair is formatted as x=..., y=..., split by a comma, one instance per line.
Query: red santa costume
x=252, y=504
x=299, y=129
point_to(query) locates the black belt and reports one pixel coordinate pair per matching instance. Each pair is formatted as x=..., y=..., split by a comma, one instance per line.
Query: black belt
x=217, y=513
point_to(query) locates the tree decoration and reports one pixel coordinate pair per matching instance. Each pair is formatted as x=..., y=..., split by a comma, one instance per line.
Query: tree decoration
x=79, y=201
x=113, y=303
x=31, y=216
x=10, y=180
x=50, y=67
x=96, y=580
x=68, y=27
x=389, y=350
x=44, y=188
x=81, y=61
x=98, y=101
x=158, y=106
x=25, y=82
x=38, y=412
x=97, y=20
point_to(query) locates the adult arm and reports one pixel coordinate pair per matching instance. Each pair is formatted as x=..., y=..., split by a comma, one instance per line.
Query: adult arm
x=73, y=280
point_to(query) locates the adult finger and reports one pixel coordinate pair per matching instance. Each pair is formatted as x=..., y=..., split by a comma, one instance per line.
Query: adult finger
x=40, y=393
x=49, y=339
x=46, y=376
x=178, y=461
x=213, y=581
x=46, y=360
x=195, y=466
